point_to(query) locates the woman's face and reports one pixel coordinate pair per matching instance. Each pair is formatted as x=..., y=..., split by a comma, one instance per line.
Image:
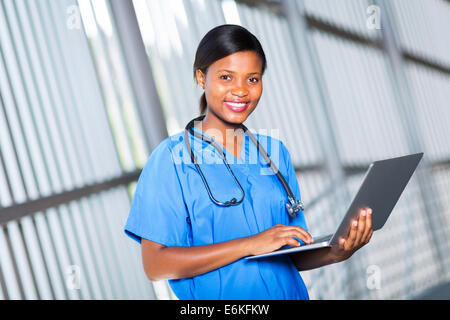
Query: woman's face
x=233, y=86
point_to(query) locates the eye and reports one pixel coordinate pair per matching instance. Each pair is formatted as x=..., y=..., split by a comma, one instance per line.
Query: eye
x=254, y=80
x=224, y=76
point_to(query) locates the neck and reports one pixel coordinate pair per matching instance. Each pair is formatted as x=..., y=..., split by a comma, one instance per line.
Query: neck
x=219, y=130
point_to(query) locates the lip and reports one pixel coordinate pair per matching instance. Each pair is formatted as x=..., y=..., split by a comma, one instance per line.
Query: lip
x=236, y=109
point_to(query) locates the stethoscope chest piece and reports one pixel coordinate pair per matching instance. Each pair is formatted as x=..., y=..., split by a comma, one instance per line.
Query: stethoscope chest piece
x=293, y=206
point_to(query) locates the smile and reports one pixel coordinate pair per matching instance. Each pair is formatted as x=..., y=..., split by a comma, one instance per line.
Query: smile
x=237, y=107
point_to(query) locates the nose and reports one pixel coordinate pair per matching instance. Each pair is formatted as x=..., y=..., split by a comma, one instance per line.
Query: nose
x=240, y=89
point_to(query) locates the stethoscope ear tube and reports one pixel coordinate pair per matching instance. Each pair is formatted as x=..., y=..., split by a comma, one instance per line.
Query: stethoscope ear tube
x=189, y=127
x=292, y=206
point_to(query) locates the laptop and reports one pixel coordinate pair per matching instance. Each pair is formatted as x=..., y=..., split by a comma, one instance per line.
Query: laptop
x=380, y=190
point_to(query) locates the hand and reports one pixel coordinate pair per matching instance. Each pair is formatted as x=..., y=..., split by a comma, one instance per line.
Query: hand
x=276, y=237
x=359, y=235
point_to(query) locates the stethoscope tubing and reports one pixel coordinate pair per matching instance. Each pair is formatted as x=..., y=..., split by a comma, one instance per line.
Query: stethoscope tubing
x=296, y=205
x=194, y=160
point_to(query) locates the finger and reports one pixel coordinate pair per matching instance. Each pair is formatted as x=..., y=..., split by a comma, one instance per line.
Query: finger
x=292, y=242
x=305, y=234
x=297, y=234
x=352, y=235
x=367, y=239
x=341, y=243
x=369, y=236
x=368, y=226
x=361, y=226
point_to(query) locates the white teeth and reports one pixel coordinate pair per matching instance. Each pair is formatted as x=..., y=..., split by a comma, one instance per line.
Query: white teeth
x=237, y=105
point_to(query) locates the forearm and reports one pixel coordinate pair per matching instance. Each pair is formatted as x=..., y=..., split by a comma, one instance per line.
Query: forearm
x=186, y=262
x=312, y=259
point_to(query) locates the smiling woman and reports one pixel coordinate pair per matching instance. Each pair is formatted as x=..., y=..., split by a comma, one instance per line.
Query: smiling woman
x=229, y=65
x=233, y=87
x=215, y=57
x=190, y=234
x=237, y=90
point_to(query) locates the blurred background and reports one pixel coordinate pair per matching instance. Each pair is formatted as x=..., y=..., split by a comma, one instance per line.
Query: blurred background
x=88, y=88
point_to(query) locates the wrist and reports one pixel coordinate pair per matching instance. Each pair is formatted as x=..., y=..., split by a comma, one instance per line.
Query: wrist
x=337, y=257
x=246, y=246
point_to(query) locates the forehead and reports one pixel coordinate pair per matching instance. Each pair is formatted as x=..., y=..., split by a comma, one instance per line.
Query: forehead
x=243, y=61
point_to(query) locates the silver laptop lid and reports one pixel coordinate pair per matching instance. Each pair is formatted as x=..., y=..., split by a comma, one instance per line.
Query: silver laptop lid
x=382, y=186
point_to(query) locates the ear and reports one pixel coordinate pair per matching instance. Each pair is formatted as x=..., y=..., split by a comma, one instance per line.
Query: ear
x=200, y=78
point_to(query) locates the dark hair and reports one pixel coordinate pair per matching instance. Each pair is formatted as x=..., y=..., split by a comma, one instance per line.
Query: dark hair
x=220, y=42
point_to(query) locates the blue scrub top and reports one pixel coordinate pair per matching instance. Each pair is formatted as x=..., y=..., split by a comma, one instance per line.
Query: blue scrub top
x=171, y=206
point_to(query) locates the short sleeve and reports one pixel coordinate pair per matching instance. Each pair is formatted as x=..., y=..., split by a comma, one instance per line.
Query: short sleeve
x=299, y=220
x=158, y=212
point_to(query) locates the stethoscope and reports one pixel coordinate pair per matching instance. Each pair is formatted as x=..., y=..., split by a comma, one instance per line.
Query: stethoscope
x=292, y=206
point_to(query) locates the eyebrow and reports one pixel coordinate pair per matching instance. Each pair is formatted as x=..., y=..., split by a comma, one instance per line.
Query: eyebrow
x=234, y=72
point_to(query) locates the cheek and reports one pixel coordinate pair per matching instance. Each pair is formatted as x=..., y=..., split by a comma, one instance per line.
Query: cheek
x=216, y=93
x=256, y=93
x=257, y=87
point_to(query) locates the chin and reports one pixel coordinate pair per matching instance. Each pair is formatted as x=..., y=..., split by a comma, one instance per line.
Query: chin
x=235, y=118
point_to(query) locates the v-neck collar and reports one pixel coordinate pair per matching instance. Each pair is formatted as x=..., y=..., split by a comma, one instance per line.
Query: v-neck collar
x=227, y=153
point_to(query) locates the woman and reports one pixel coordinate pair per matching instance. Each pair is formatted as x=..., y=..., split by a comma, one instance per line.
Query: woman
x=187, y=234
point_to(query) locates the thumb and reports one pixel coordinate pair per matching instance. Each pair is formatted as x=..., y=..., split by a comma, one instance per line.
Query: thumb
x=341, y=243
